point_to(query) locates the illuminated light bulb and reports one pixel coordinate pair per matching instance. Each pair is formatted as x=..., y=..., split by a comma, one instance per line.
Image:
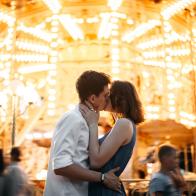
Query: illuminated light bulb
x=114, y=33
x=51, y=98
x=172, y=115
x=172, y=109
x=114, y=20
x=51, y=105
x=115, y=50
x=115, y=70
x=51, y=112
x=29, y=136
x=52, y=91
x=115, y=57
x=115, y=78
x=130, y=21
x=115, y=42
x=37, y=135
x=115, y=63
x=92, y=20
x=171, y=102
x=114, y=4
x=48, y=135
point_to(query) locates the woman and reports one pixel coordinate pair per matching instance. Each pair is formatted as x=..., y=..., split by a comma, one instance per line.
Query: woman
x=114, y=149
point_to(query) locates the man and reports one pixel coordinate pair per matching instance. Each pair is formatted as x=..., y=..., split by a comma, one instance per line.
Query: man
x=68, y=172
x=16, y=180
x=168, y=181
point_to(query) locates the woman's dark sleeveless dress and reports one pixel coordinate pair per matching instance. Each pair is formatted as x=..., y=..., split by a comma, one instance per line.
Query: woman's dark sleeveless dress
x=120, y=159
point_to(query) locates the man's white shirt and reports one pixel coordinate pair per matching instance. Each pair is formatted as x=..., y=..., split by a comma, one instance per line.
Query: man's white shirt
x=69, y=145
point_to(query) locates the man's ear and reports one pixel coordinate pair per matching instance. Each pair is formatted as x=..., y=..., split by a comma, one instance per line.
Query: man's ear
x=91, y=99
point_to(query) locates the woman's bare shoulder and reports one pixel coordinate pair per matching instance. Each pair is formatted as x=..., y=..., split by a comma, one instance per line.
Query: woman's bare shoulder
x=124, y=122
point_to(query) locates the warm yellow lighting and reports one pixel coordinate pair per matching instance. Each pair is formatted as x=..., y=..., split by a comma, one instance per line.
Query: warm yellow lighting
x=51, y=112
x=27, y=57
x=92, y=20
x=32, y=46
x=35, y=68
x=39, y=33
x=72, y=28
x=114, y=4
x=105, y=26
x=129, y=21
x=51, y=105
x=140, y=30
x=52, y=91
x=171, y=95
x=172, y=109
x=176, y=7
x=115, y=63
x=6, y=17
x=54, y=5
x=152, y=108
x=115, y=70
x=154, y=63
x=70, y=106
x=47, y=135
x=115, y=78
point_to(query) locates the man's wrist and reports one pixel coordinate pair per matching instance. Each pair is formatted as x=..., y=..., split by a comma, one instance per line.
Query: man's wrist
x=93, y=126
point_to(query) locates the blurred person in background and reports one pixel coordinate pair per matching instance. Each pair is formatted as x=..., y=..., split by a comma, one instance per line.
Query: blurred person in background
x=116, y=147
x=168, y=181
x=16, y=181
x=2, y=177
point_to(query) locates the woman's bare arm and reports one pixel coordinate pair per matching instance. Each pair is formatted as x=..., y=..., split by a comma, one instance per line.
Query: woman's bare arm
x=120, y=134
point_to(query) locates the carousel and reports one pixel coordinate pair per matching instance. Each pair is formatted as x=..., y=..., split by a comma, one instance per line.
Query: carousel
x=46, y=44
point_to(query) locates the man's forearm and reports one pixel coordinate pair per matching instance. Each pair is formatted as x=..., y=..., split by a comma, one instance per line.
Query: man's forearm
x=76, y=172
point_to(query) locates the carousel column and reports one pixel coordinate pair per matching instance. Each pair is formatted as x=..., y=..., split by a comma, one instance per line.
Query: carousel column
x=170, y=81
x=115, y=37
x=10, y=70
x=192, y=30
x=53, y=61
x=114, y=46
x=194, y=149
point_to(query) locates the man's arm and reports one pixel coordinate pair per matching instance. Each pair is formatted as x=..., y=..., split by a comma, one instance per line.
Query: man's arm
x=178, y=179
x=76, y=172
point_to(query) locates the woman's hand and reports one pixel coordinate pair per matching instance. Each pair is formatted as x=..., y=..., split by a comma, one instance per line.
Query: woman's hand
x=91, y=116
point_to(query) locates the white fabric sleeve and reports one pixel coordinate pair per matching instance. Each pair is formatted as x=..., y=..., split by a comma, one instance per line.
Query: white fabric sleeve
x=65, y=141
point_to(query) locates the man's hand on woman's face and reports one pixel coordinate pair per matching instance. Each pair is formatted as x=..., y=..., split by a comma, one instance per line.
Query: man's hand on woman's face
x=90, y=115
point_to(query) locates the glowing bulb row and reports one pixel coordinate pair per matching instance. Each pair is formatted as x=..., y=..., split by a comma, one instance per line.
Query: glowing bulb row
x=188, y=119
x=43, y=35
x=161, y=53
x=72, y=28
x=176, y=7
x=158, y=41
x=53, y=5
x=114, y=5
x=6, y=18
x=30, y=58
x=35, y=47
x=140, y=30
x=53, y=59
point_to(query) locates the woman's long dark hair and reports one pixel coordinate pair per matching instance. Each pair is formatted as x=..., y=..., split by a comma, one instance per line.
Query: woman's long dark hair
x=125, y=100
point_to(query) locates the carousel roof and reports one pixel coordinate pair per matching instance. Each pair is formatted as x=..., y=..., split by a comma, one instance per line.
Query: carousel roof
x=46, y=44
